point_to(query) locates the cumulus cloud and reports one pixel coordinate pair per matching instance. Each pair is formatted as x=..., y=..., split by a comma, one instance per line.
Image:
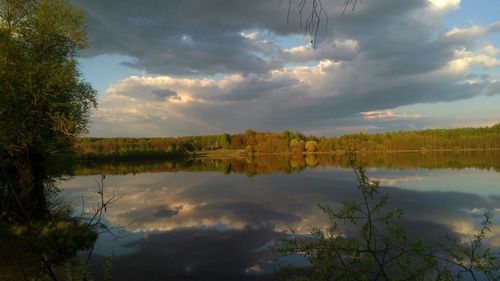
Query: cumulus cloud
x=231, y=68
x=491, y=50
x=464, y=34
x=464, y=59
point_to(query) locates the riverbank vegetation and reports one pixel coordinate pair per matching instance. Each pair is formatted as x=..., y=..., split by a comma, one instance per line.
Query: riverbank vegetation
x=251, y=142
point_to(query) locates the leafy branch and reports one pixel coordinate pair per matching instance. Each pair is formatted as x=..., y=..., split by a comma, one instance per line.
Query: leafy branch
x=364, y=241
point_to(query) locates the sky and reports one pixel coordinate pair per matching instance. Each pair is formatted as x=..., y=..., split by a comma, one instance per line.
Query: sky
x=196, y=67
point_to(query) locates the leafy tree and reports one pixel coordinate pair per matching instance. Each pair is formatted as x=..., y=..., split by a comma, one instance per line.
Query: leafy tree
x=44, y=103
x=297, y=146
x=311, y=146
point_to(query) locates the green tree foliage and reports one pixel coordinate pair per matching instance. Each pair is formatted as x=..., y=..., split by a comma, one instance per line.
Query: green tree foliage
x=44, y=103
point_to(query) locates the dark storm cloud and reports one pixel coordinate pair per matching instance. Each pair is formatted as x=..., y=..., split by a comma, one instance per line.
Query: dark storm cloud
x=357, y=99
x=257, y=87
x=181, y=37
x=204, y=37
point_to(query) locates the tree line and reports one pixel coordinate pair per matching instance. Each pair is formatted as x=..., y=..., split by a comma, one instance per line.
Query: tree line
x=252, y=142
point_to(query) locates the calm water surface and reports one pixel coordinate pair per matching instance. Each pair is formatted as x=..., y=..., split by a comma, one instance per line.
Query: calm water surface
x=208, y=222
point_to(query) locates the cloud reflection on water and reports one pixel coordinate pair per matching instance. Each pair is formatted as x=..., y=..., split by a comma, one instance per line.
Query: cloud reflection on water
x=204, y=220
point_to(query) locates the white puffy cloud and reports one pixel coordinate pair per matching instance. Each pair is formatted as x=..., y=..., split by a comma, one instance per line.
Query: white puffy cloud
x=445, y=5
x=465, y=59
x=491, y=50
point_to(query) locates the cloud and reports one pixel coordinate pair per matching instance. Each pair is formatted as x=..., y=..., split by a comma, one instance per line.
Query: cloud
x=465, y=59
x=232, y=68
x=181, y=37
x=397, y=180
x=491, y=50
x=464, y=34
x=255, y=87
x=389, y=115
x=165, y=94
x=335, y=50
x=445, y=5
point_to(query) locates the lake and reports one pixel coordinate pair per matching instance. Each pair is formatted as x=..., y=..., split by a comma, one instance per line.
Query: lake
x=223, y=219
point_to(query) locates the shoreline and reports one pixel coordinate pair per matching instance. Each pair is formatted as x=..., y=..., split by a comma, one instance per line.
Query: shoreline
x=243, y=154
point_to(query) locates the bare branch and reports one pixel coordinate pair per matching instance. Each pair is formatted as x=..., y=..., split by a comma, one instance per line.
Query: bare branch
x=311, y=13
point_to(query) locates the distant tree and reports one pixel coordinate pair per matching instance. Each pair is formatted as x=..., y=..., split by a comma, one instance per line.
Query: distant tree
x=297, y=146
x=44, y=103
x=311, y=146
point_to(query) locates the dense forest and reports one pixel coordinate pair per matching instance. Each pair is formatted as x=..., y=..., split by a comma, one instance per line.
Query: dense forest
x=252, y=142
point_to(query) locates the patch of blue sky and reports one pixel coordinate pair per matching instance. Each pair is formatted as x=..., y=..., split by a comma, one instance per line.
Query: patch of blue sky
x=103, y=70
x=310, y=63
x=290, y=41
x=479, y=12
x=477, y=111
x=476, y=12
x=217, y=76
x=479, y=70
